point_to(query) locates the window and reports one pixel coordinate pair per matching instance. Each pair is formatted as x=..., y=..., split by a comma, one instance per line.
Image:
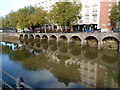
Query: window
x=94, y=20
x=109, y=10
x=109, y=14
x=108, y=24
x=103, y=24
x=110, y=5
x=87, y=6
x=80, y=21
x=55, y=27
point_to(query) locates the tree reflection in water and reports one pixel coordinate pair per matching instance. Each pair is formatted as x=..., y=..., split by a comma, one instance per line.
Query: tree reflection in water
x=67, y=68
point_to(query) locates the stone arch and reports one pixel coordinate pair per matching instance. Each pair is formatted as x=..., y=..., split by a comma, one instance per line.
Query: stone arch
x=53, y=41
x=31, y=39
x=21, y=36
x=110, y=43
x=63, y=38
x=91, y=41
x=53, y=37
x=44, y=37
x=31, y=36
x=25, y=36
x=37, y=36
x=75, y=40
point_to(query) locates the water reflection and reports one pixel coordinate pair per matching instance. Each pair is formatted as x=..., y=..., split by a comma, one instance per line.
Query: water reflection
x=53, y=45
x=110, y=56
x=84, y=66
x=75, y=50
x=90, y=52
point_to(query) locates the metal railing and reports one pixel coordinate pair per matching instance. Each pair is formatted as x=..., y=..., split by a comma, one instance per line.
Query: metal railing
x=19, y=82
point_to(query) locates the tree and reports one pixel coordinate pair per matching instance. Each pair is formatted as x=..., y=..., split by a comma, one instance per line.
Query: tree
x=1, y=18
x=65, y=13
x=10, y=20
x=24, y=14
x=39, y=17
x=6, y=22
x=115, y=13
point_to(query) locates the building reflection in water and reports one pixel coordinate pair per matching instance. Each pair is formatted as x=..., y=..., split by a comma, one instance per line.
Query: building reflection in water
x=69, y=68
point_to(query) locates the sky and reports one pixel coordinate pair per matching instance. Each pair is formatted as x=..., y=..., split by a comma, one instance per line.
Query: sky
x=7, y=5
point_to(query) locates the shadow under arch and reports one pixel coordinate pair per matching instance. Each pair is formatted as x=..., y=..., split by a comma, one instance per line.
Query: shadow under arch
x=25, y=36
x=53, y=37
x=44, y=37
x=31, y=36
x=91, y=41
x=110, y=43
x=21, y=36
x=62, y=38
x=75, y=40
x=37, y=37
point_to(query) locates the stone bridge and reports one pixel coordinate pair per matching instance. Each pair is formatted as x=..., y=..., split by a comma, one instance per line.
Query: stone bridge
x=68, y=37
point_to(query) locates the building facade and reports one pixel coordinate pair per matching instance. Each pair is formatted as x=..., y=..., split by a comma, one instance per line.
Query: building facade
x=95, y=13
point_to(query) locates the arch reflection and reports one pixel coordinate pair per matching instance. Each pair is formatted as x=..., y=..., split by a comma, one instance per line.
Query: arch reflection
x=110, y=56
x=75, y=50
x=91, y=52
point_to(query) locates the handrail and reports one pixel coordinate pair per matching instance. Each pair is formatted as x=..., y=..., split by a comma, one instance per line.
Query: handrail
x=18, y=81
x=7, y=84
x=8, y=75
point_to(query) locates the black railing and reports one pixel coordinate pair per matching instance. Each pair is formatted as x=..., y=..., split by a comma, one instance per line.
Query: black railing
x=19, y=82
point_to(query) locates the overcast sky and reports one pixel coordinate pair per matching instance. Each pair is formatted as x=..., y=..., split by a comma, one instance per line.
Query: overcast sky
x=7, y=5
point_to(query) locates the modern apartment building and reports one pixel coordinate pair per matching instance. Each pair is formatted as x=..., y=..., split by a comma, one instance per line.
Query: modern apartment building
x=95, y=13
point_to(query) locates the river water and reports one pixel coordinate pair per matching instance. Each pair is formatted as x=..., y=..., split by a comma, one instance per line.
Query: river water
x=44, y=64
